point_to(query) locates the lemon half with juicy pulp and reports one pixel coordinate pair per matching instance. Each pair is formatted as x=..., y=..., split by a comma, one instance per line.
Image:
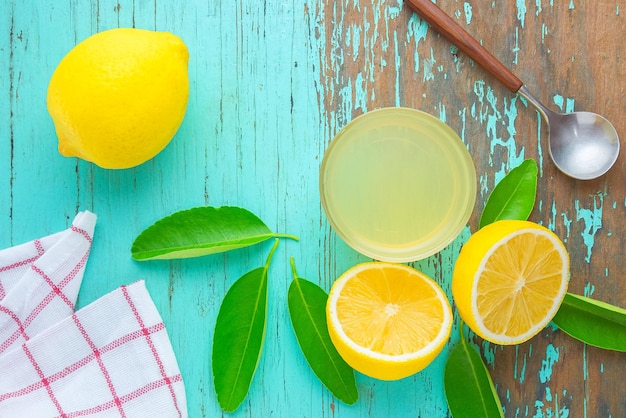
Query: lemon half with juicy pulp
x=388, y=321
x=119, y=96
x=509, y=280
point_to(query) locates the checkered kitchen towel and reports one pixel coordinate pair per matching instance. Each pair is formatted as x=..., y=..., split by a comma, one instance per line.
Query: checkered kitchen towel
x=112, y=358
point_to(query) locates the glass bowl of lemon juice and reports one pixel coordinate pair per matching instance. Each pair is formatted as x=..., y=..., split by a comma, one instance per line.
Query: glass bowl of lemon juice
x=397, y=184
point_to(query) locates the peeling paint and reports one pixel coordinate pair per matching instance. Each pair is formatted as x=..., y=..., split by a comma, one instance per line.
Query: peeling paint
x=548, y=406
x=592, y=219
x=519, y=372
x=429, y=64
x=589, y=290
x=552, y=222
x=489, y=353
x=565, y=105
x=552, y=356
x=496, y=115
x=486, y=110
x=416, y=31
x=467, y=8
x=567, y=223
x=521, y=11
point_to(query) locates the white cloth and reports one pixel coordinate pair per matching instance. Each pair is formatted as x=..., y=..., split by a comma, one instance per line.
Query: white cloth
x=112, y=358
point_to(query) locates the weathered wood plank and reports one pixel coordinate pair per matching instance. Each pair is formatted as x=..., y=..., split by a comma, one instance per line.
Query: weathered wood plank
x=271, y=83
x=564, y=54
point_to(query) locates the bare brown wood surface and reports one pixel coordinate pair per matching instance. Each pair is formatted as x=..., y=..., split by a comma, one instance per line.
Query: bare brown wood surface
x=446, y=26
x=568, y=54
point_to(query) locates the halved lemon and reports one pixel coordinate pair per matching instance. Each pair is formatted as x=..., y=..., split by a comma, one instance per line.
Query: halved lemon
x=388, y=321
x=509, y=280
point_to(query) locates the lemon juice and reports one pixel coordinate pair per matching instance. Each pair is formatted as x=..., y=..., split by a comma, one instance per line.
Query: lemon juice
x=397, y=184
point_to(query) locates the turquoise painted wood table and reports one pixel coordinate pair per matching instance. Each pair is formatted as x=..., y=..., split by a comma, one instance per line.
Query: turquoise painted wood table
x=271, y=83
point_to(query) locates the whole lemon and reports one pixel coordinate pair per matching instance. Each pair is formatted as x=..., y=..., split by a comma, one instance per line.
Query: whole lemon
x=118, y=97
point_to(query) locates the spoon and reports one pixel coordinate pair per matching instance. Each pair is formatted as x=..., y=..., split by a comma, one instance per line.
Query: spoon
x=582, y=145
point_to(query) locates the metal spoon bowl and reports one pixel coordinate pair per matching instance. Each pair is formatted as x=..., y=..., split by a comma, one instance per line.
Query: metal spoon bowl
x=582, y=145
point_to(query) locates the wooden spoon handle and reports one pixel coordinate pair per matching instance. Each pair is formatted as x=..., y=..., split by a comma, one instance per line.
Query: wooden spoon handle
x=454, y=33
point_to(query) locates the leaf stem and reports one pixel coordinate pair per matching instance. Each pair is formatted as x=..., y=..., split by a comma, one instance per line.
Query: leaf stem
x=287, y=236
x=293, y=267
x=271, y=254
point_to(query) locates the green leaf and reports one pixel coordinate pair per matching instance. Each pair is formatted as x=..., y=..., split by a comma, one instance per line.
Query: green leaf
x=239, y=336
x=593, y=322
x=514, y=196
x=201, y=231
x=468, y=385
x=307, y=309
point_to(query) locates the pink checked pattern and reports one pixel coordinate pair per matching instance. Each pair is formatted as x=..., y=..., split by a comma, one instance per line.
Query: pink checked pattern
x=39, y=281
x=111, y=358
x=123, y=367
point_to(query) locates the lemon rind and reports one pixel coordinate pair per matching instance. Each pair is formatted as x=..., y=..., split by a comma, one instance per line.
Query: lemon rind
x=431, y=347
x=505, y=339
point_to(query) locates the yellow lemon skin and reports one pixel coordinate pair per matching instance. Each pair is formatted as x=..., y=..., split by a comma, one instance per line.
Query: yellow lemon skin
x=395, y=343
x=383, y=369
x=469, y=266
x=118, y=97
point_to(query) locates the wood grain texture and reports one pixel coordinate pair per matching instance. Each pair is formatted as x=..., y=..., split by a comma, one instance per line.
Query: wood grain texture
x=271, y=83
